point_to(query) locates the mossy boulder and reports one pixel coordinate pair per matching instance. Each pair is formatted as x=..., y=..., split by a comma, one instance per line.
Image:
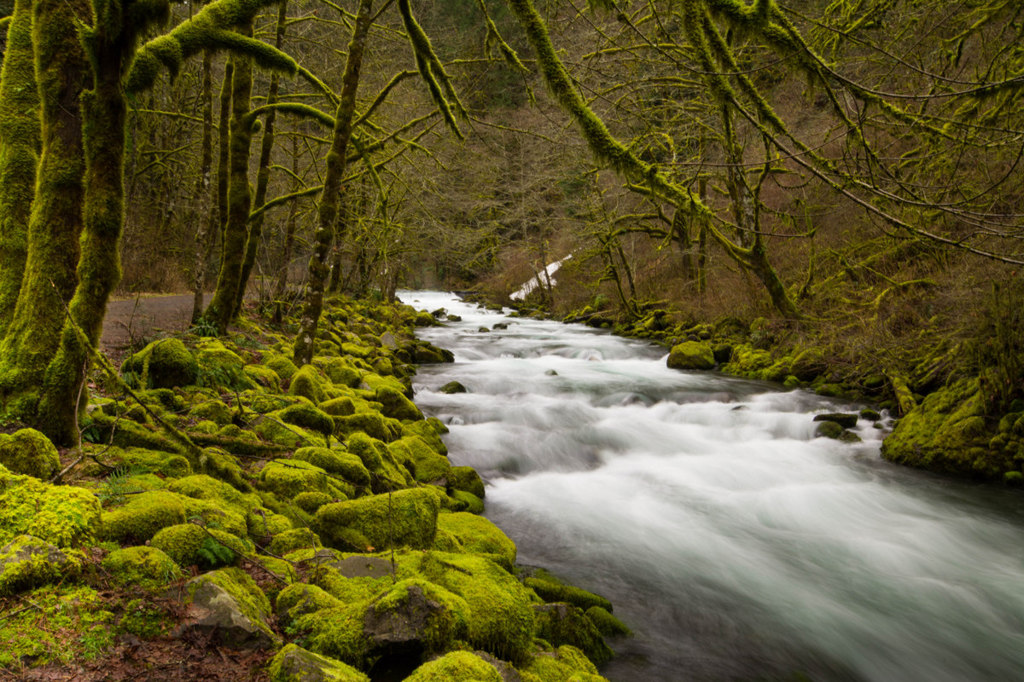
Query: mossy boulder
x=607, y=624
x=844, y=419
x=417, y=613
x=948, y=433
x=301, y=599
x=565, y=663
x=281, y=365
x=289, y=477
x=340, y=371
x=231, y=609
x=295, y=664
x=143, y=516
x=396, y=405
x=189, y=544
x=27, y=562
x=566, y=624
x=501, y=618
x=452, y=387
x=308, y=383
x=29, y=452
x=295, y=538
x=479, y=535
x=457, y=666
x=211, y=410
x=373, y=424
x=146, y=567
x=691, y=355
x=307, y=416
x=828, y=429
x=344, y=464
x=342, y=406
x=467, y=479
x=386, y=472
x=420, y=459
x=406, y=517
x=221, y=367
x=550, y=589
x=162, y=364
x=65, y=516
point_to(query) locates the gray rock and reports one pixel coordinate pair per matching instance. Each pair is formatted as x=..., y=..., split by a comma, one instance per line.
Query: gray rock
x=295, y=663
x=844, y=419
x=227, y=605
x=27, y=561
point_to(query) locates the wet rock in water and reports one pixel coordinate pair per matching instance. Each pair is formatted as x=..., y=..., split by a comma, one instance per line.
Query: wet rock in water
x=455, y=318
x=844, y=419
x=567, y=624
x=483, y=330
x=828, y=429
x=500, y=325
x=870, y=415
x=453, y=387
x=551, y=373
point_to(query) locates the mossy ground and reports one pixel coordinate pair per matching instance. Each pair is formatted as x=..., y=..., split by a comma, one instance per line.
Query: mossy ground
x=294, y=485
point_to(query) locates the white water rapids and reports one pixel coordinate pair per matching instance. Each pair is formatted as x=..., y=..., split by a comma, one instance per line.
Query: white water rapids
x=735, y=544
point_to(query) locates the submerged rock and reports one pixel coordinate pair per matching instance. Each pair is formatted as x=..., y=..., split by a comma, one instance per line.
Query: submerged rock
x=844, y=419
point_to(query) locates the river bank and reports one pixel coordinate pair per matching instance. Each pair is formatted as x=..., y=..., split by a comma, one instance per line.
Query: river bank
x=232, y=516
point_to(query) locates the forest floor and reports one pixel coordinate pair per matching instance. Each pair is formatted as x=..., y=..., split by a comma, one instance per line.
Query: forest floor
x=130, y=320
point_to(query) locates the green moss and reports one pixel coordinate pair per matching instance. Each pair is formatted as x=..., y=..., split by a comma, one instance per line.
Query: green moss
x=339, y=407
x=143, y=516
x=372, y=424
x=477, y=534
x=406, y=517
x=466, y=502
x=29, y=452
x=457, y=666
x=692, y=355
x=289, y=437
x=162, y=364
x=27, y=562
x=310, y=502
x=308, y=383
x=425, y=464
x=501, y=617
x=281, y=365
x=386, y=473
x=67, y=624
x=467, y=479
x=438, y=617
x=550, y=589
x=213, y=410
x=565, y=663
x=191, y=545
x=566, y=624
x=396, y=405
x=65, y=516
x=146, y=567
x=340, y=371
x=263, y=376
x=143, y=620
x=221, y=367
x=293, y=539
x=337, y=632
x=288, y=477
x=294, y=664
x=344, y=464
x=607, y=624
x=307, y=416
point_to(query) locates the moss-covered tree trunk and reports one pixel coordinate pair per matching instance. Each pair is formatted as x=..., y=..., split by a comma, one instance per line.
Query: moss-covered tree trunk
x=305, y=342
x=19, y=153
x=222, y=306
x=223, y=154
x=55, y=223
x=104, y=111
x=263, y=171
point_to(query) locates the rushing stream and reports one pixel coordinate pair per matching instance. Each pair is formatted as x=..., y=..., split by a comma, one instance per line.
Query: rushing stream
x=735, y=544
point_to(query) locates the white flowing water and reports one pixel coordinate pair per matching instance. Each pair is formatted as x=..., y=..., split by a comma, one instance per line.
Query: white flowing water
x=734, y=543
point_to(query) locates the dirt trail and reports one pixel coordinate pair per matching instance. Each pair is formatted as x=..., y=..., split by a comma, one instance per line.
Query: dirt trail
x=132, y=319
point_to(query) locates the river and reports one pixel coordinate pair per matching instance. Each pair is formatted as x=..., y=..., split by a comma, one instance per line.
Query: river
x=735, y=544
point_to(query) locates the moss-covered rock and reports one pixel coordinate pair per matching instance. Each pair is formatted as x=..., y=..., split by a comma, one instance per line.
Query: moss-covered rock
x=386, y=473
x=340, y=371
x=373, y=424
x=309, y=502
x=344, y=464
x=566, y=624
x=828, y=429
x=467, y=479
x=406, y=517
x=301, y=599
x=457, y=666
x=607, y=624
x=418, y=613
x=337, y=632
x=396, y=405
x=307, y=416
x=948, y=433
x=342, y=406
x=162, y=364
x=263, y=376
x=295, y=664
x=212, y=410
x=27, y=562
x=229, y=607
x=308, y=383
x=29, y=452
x=146, y=567
x=281, y=365
x=293, y=539
x=143, y=516
x=189, y=544
x=452, y=387
x=288, y=477
x=62, y=515
x=477, y=534
x=219, y=366
x=692, y=355
x=420, y=459
x=565, y=663
x=550, y=589
x=461, y=501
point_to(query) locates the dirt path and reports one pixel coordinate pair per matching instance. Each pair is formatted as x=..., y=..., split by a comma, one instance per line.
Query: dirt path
x=132, y=319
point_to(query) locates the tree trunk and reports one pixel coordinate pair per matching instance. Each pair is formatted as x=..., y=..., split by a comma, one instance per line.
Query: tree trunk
x=55, y=223
x=19, y=149
x=224, y=153
x=305, y=342
x=222, y=307
x=207, y=223
x=263, y=174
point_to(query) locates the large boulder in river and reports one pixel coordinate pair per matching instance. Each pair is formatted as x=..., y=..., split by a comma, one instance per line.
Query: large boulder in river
x=692, y=355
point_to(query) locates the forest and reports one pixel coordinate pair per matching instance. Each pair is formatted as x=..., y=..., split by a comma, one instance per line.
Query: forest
x=824, y=194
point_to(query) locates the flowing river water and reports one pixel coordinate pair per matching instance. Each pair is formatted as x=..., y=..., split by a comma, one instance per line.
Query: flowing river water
x=735, y=544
